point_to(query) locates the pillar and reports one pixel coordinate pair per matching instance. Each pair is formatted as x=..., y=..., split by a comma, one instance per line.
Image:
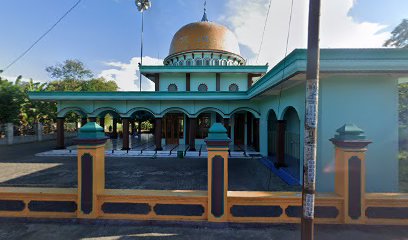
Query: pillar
x=38, y=131
x=102, y=123
x=10, y=133
x=133, y=127
x=91, y=169
x=349, y=182
x=115, y=128
x=217, y=146
x=192, y=132
x=256, y=134
x=83, y=121
x=280, y=146
x=249, y=122
x=125, y=128
x=60, y=133
x=158, y=133
x=139, y=129
x=226, y=125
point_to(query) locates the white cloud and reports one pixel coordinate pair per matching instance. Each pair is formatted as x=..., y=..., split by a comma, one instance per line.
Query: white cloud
x=338, y=30
x=126, y=75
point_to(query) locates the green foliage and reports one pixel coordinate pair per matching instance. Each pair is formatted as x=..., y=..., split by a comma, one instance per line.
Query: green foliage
x=16, y=107
x=11, y=97
x=146, y=125
x=71, y=69
x=399, y=36
x=403, y=104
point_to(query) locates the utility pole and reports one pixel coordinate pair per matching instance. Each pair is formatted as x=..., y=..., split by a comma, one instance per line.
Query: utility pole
x=311, y=121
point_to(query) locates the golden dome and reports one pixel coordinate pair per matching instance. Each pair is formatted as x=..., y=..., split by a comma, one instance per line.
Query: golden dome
x=204, y=36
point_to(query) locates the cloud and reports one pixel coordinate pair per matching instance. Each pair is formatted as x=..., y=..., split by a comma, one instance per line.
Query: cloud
x=126, y=75
x=338, y=29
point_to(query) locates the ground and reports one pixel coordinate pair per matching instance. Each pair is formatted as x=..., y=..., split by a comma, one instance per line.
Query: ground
x=13, y=229
x=21, y=168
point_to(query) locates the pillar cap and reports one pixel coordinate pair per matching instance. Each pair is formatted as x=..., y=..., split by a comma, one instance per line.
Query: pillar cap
x=217, y=136
x=350, y=136
x=91, y=133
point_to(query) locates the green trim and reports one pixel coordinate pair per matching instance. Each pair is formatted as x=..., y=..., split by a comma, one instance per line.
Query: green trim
x=378, y=61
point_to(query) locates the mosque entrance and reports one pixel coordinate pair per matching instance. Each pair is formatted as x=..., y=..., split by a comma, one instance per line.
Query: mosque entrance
x=173, y=127
x=239, y=130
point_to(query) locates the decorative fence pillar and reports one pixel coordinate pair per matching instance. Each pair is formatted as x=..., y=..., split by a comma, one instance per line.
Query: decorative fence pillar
x=91, y=168
x=217, y=145
x=351, y=143
x=38, y=131
x=9, y=133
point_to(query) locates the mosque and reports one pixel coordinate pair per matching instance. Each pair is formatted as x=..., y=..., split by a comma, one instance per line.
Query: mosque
x=204, y=80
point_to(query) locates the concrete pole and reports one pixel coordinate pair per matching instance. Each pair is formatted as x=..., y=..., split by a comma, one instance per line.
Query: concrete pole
x=9, y=133
x=39, y=131
x=311, y=122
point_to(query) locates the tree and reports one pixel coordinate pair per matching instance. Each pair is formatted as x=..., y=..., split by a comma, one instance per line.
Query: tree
x=70, y=69
x=399, y=36
x=11, y=97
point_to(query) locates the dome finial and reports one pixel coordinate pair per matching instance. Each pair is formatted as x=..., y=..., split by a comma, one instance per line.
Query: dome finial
x=205, y=19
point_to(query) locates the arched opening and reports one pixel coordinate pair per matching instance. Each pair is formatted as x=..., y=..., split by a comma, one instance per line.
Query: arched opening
x=173, y=128
x=233, y=87
x=245, y=131
x=67, y=125
x=202, y=87
x=272, y=133
x=292, y=142
x=172, y=88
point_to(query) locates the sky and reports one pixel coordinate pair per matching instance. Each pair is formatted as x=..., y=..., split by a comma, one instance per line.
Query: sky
x=105, y=34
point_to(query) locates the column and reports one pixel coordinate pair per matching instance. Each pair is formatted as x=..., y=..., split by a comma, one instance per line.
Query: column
x=226, y=125
x=115, y=128
x=125, y=128
x=83, y=121
x=192, y=132
x=217, y=146
x=10, y=133
x=256, y=134
x=102, y=123
x=38, y=131
x=249, y=128
x=280, y=146
x=91, y=169
x=158, y=133
x=349, y=181
x=139, y=129
x=60, y=133
x=133, y=127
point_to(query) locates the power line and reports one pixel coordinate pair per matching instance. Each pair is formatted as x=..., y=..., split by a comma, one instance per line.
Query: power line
x=41, y=37
x=263, y=33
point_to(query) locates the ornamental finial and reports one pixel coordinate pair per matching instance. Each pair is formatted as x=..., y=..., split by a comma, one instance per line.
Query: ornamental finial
x=205, y=19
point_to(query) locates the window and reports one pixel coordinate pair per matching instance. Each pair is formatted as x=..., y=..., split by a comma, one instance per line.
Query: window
x=215, y=62
x=207, y=62
x=181, y=63
x=199, y=62
x=189, y=62
x=224, y=62
x=172, y=88
x=202, y=88
x=233, y=88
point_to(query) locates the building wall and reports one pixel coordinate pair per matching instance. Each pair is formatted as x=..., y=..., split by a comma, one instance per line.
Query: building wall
x=348, y=99
x=227, y=79
x=199, y=78
x=169, y=78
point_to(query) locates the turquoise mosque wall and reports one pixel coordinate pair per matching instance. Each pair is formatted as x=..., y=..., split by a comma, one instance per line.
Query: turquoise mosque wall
x=228, y=79
x=346, y=99
x=173, y=78
x=206, y=78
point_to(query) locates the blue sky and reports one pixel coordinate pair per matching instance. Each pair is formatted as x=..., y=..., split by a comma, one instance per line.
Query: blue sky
x=105, y=34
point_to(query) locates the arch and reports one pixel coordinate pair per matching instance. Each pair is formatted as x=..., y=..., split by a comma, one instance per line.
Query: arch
x=172, y=87
x=137, y=109
x=76, y=110
x=189, y=62
x=202, y=87
x=254, y=112
x=175, y=109
x=207, y=62
x=233, y=87
x=272, y=133
x=199, y=62
x=281, y=117
x=292, y=141
x=210, y=109
x=181, y=63
x=104, y=110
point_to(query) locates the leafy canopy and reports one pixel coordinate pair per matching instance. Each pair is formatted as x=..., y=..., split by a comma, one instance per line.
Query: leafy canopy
x=399, y=36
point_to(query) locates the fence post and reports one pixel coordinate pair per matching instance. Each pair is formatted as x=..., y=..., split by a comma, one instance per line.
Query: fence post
x=39, y=131
x=91, y=169
x=217, y=146
x=9, y=133
x=350, y=151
